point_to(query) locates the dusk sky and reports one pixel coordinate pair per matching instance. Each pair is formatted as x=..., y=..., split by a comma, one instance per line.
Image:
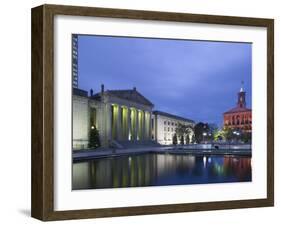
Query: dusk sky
x=198, y=80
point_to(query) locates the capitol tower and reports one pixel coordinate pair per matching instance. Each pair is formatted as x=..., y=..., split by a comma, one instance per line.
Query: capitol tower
x=239, y=117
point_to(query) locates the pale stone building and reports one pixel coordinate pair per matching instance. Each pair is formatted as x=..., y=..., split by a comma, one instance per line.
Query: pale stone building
x=119, y=115
x=164, y=127
x=80, y=119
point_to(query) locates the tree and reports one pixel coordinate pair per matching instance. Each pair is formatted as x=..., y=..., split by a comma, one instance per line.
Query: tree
x=180, y=130
x=199, y=129
x=213, y=128
x=218, y=135
x=193, y=139
x=175, y=139
x=187, y=141
x=182, y=140
x=228, y=133
x=189, y=131
x=246, y=137
x=94, y=139
x=183, y=131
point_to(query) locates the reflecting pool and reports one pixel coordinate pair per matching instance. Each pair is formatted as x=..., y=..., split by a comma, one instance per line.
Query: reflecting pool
x=160, y=169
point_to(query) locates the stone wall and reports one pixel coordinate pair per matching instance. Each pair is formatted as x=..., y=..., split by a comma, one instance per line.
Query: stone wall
x=80, y=122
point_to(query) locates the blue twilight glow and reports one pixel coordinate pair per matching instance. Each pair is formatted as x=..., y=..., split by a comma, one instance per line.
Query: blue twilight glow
x=193, y=79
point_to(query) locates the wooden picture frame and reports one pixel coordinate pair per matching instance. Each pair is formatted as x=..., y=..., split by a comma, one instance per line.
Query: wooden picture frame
x=43, y=112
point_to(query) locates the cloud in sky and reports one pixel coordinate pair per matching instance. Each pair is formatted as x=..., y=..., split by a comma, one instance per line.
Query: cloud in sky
x=193, y=79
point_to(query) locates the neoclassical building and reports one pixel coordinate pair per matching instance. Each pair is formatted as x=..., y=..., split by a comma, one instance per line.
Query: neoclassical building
x=239, y=117
x=119, y=115
x=164, y=127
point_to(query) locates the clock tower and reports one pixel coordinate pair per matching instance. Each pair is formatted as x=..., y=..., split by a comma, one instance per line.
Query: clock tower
x=241, y=97
x=239, y=117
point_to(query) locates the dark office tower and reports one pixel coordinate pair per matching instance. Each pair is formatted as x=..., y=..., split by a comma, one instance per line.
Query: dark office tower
x=75, y=61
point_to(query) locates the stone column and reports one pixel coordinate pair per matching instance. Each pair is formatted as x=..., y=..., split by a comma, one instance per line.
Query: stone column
x=143, y=125
x=149, y=125
x=108, y=122
x=137, y=124
x=119, y=126
x=128, y=124
x=155, y=128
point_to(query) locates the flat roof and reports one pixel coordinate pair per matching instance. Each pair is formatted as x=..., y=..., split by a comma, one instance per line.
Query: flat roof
x=172, y=116
x=79, y=92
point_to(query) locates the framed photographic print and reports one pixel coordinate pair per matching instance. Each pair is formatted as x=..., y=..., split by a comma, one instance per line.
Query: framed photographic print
x=141, y=112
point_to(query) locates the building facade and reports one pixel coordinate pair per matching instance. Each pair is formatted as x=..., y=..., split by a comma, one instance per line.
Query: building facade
x=164, y=127
x=239, y=117
x=80, y=119
x=119, y=115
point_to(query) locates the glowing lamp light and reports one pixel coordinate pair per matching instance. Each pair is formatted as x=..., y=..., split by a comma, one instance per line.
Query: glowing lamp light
x=204, y=161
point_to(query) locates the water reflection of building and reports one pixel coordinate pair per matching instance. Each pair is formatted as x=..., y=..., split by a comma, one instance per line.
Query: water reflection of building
x=134, y=171
x=115, y=172
x=240, y=167
x=239, y=117
x=160, y=169
x=169, y=163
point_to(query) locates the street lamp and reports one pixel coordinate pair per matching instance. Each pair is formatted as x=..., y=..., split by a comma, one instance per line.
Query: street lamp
x=210, y=137
x=237, y=134
x=204, y=135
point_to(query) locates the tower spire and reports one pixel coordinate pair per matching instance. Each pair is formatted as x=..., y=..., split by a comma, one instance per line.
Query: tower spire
x=242, y=86
x=241, y=103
